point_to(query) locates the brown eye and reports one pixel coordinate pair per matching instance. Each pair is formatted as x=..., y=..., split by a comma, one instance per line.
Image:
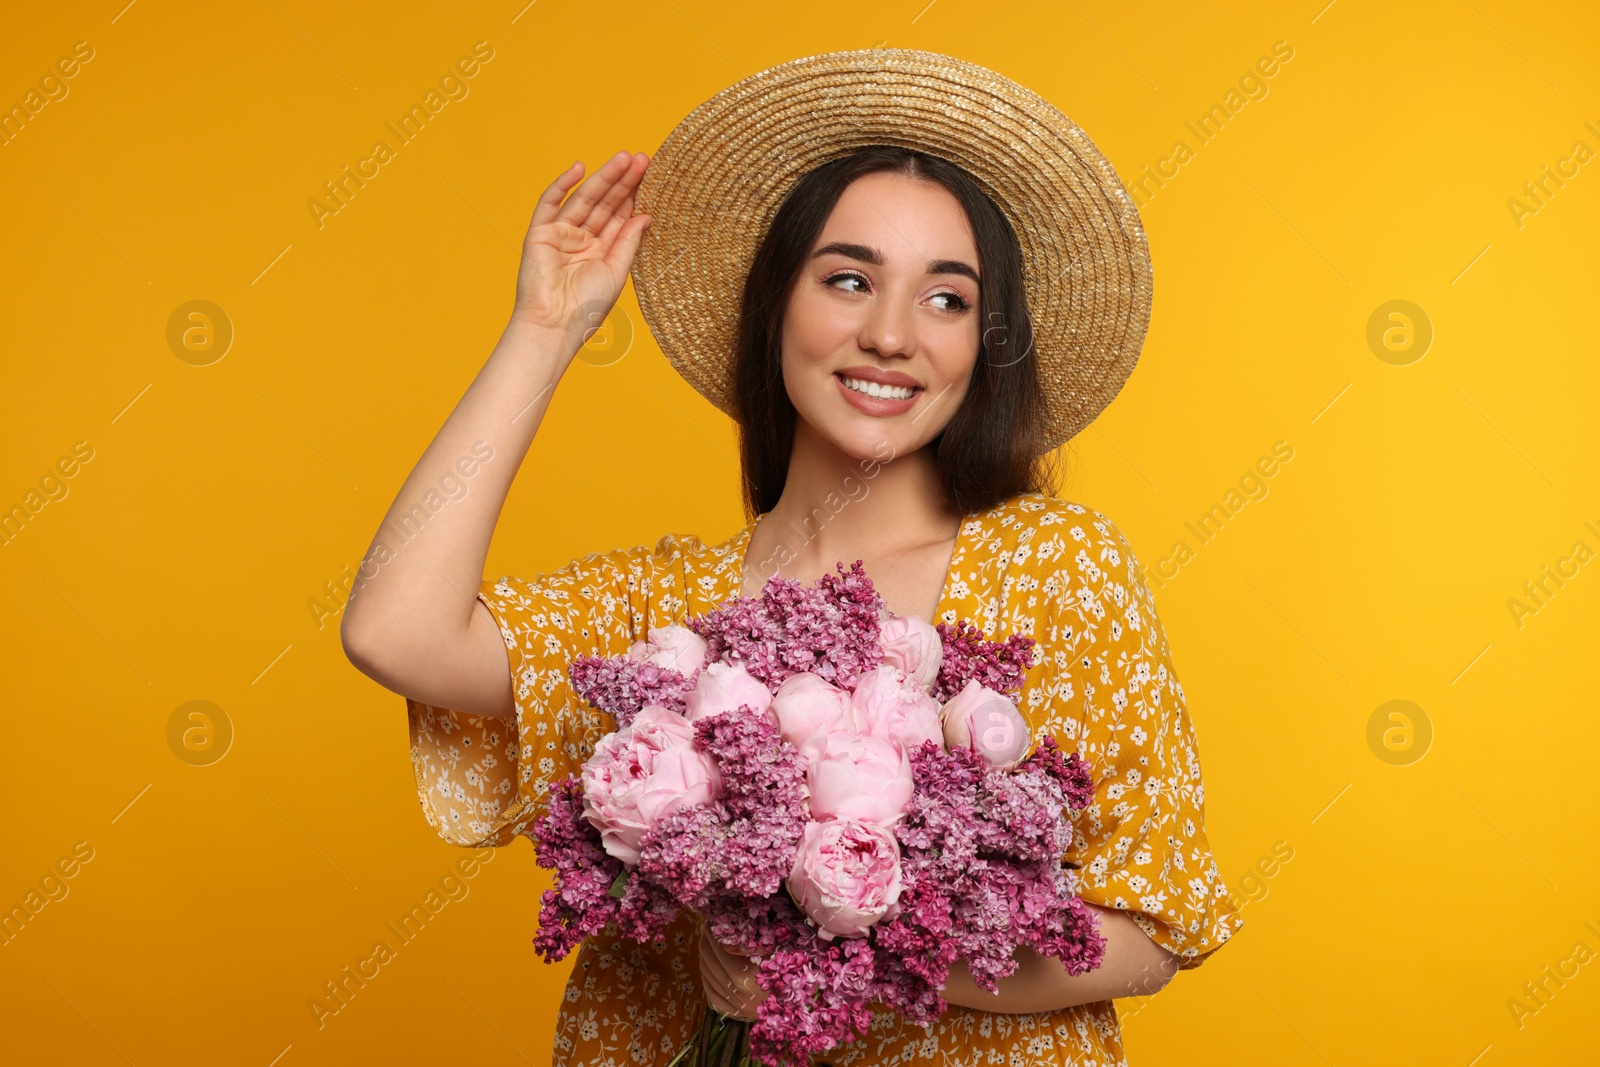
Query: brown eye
x=848, y=277
x=957, y=302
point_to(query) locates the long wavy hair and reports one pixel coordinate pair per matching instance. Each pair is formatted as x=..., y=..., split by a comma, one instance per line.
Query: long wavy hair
x=989, y=451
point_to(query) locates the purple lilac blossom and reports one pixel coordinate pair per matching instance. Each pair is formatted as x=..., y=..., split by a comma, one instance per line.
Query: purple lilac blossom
x=645, y=911
x=1069, y=769
x=819, y=997
x=759, y=927
x=579, y=905
x=981, y=855
x=621, y=686
x=830, y=629
x=998, y=665
x=744, y=842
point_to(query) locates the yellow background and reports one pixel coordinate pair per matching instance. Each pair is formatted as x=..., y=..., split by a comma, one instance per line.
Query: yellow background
x=1419, y=897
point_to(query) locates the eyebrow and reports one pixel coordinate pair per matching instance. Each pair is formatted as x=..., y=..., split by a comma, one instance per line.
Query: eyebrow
x=871, y=255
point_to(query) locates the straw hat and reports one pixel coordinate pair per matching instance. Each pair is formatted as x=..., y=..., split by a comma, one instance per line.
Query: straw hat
x=715, y=184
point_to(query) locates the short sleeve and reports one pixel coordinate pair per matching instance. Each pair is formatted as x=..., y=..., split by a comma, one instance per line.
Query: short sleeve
x=1141, y=842
x=483, y=780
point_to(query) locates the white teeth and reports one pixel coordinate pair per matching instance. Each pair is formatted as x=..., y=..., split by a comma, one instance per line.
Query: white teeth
x=887, y=392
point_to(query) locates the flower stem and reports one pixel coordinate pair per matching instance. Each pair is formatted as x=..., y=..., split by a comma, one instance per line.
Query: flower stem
x=718, y=1041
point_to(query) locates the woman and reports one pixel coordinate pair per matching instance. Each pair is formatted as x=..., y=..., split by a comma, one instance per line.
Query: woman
x=899, y=362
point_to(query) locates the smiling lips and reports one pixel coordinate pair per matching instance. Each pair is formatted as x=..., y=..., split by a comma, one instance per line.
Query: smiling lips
x=877, y=392
x=887, y=392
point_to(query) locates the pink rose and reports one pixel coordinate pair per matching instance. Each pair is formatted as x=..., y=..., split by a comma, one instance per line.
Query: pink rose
x=867, y=779
x=673, y=648
x=640, y=774
x=846, y=876
x=981, y=719
x=914, y=647
x=723, y=687
x=893, y=706
x=809, y=709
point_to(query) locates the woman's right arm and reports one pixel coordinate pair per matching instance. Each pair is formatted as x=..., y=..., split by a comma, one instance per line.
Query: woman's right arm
x=414, y=623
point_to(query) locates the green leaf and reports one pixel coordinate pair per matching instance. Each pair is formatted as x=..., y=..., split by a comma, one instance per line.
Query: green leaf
x=620, y=885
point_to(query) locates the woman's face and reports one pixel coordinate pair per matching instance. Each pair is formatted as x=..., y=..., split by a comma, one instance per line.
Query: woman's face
x=881, y=331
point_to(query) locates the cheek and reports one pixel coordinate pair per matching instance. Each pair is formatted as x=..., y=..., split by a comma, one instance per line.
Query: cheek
x=808, y=340
x=792, y=364
x=957, y=358
x=810, y=330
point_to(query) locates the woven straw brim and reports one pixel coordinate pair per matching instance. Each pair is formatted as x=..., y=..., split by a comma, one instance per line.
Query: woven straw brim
x=717, y=181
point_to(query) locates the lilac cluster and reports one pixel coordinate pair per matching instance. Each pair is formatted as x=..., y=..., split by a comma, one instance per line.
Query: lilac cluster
x=621, y=686
x=830, y=629
x=819, y=996
x=997, y=665
x=724, y=859
x=740, y=846
x=582, y=902
x=981, y=850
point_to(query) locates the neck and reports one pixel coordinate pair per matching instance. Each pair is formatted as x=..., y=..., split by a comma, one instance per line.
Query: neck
x=835, y=506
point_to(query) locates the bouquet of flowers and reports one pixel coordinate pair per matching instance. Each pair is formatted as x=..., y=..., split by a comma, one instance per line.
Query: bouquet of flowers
x=846, y=796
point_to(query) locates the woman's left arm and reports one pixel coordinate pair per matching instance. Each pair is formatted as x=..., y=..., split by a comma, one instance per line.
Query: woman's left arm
x=1145, y=866
x=1133, y=966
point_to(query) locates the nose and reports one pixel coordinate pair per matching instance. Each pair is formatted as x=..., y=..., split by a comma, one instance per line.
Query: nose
x=888, y=328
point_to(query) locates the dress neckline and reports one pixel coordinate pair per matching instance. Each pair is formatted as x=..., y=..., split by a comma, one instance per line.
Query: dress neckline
x=739, y=546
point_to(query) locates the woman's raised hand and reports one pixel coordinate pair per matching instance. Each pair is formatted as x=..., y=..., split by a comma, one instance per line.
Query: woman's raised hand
x=576, y=255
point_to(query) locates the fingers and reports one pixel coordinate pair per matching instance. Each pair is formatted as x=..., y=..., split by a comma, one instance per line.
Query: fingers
x=719, y=986
x=626, y=244
x=724, y=975
x=619, y=217
x=582, y=203
x=713, y=968
x=609, y=205
x=554, y=203
x=550, y=200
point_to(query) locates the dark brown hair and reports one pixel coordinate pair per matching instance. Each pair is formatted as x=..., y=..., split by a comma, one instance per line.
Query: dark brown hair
x=989, y=450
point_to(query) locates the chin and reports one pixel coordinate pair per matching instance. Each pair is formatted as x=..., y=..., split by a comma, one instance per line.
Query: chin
x=872, y=440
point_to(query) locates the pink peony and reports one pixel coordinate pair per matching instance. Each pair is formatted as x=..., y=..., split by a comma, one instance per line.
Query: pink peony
x=988, y=723
x=723, y=687
x=809, y=709
x=867, y=779
x=893, y=706
x=675, y=648
x=913, y=646
x=642, y=773
x=846, y=876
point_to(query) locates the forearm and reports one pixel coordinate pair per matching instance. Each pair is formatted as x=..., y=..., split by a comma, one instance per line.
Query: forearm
x=1133, y=966
x=415, y=589
x=414, y=622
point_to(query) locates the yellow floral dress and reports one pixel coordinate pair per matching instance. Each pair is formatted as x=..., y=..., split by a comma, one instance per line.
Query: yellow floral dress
x=1102, y=683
